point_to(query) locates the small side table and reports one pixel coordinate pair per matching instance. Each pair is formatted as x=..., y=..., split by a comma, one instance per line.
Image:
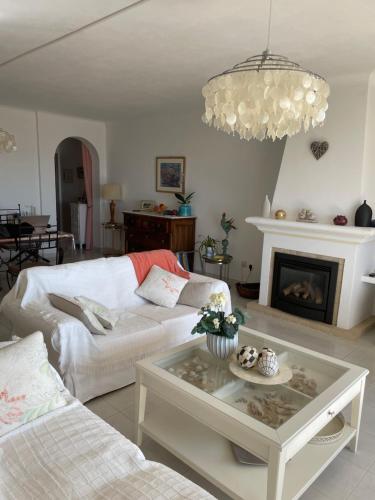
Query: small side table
x=116, y=229
x=223, y=261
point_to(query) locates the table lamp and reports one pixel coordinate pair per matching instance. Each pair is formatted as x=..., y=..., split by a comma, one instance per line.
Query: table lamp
x=111, y=192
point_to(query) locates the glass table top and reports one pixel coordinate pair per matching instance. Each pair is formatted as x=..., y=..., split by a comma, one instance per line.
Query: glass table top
x=273, y=405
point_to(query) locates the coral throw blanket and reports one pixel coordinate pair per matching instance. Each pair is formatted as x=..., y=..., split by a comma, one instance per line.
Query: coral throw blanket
x=143, y=261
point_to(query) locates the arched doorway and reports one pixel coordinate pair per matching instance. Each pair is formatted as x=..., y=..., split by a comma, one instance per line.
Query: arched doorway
x=77, y=190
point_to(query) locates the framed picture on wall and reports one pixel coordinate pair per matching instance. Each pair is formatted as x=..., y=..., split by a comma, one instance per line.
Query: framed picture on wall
x=170, y=174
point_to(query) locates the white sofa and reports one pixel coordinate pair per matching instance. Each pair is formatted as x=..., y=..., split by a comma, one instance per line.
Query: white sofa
x=71, y=453
x=91, y=365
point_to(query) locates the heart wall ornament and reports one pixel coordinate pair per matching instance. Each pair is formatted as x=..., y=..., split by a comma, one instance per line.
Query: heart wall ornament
x=319, y=148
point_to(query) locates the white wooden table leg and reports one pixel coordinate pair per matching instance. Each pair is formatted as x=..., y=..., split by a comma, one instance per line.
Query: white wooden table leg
x=276, y=473
x=355, y=420
x=140, y=407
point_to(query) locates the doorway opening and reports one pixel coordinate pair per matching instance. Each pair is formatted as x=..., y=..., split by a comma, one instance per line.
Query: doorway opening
x=77, y=184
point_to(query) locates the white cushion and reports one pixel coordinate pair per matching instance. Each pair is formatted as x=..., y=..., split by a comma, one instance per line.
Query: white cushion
x=197, y=293
x=161, y=287
x=28, y=386
x=72, y=307
x=104, y=315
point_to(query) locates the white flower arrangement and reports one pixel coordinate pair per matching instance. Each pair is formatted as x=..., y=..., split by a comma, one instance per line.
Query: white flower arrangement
x=214, y=320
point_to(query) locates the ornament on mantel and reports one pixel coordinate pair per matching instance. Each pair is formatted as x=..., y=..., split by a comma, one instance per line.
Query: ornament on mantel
x=280, y=214
x=306, y=215
x=266, y=212
x=340, y=220
x=363, y=215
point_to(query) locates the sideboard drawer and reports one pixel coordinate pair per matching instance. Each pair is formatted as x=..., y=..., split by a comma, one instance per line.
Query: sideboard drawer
x=140, y=242
x=154, y=225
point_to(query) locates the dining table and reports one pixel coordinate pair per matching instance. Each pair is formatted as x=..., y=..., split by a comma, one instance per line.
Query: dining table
x=65, y=241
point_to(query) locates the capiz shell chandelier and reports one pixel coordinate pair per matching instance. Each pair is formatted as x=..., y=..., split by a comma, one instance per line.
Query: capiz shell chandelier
x=7, y=141
x=265, y=96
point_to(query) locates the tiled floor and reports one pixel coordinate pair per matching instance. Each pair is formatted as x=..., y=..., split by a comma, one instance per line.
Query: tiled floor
x=348, y=477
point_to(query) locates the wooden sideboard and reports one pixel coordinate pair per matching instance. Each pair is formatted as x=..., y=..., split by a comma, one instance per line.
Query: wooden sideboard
x=146, y=231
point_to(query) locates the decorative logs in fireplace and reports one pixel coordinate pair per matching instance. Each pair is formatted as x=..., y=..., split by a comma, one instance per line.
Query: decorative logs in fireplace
x=305, y=290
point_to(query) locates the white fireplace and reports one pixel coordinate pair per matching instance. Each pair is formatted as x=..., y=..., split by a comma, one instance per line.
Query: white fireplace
x=352, y=247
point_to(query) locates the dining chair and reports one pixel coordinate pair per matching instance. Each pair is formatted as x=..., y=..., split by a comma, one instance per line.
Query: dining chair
x=10, y=215
x=29, y=252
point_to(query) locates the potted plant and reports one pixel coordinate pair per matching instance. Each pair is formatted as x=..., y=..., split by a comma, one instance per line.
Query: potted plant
x=208, y=247
x=221, y=330
x=184, y=202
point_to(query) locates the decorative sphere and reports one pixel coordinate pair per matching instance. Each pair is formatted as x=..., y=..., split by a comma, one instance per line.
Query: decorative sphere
x=268, y=364
x=280, y=214
x=247, y=356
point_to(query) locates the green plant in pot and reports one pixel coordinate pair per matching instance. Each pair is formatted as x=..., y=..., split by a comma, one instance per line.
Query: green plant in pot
x=208, y=247
x=221, y=330
x=184, y=202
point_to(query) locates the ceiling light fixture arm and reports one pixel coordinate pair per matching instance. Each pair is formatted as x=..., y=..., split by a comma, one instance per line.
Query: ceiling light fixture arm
x=267, y=51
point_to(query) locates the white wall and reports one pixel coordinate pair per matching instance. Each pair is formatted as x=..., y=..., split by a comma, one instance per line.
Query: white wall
x=334, y=184
x=368, y=184
x=227, y=174
x=19, y=178
x=27, y=176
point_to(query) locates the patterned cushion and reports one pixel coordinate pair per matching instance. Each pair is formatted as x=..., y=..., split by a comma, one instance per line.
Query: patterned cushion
x=161, y=287
x=28, y=386
x=72, y=307
x=104, y=315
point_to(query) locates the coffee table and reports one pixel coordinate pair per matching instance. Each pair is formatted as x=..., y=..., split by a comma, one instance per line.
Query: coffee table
x=203, y=407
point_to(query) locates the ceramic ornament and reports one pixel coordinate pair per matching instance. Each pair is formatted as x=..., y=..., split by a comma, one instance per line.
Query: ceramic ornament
x=247, y=357
x=266, y=212
x=319, y=148
x=268, y=364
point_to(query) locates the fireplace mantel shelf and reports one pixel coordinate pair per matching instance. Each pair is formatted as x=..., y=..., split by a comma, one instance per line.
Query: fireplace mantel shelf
x=329, y=232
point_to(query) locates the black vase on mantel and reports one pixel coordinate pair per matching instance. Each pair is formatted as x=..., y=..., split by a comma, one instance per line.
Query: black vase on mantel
x=363, y=215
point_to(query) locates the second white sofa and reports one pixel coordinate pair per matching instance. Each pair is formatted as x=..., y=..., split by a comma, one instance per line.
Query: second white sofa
x=92, y=365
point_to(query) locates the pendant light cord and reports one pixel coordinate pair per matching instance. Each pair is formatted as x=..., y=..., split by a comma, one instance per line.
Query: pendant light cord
x=269, y=28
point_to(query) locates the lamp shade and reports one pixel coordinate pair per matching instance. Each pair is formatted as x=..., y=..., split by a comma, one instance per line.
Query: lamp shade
x=111, y=191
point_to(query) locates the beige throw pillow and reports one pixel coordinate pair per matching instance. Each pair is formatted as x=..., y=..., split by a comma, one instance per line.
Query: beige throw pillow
x=72, y=307
x=28, y=386
x=161, y=287
x=104, y=315
x=197, y=293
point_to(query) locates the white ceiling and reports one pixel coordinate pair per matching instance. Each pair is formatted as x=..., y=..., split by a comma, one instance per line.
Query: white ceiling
x=160, y=53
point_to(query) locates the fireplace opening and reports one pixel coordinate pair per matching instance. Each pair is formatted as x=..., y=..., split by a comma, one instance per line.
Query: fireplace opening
x=304, y=286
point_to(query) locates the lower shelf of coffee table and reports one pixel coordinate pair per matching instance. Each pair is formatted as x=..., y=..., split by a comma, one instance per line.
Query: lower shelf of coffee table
x=210, y=455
